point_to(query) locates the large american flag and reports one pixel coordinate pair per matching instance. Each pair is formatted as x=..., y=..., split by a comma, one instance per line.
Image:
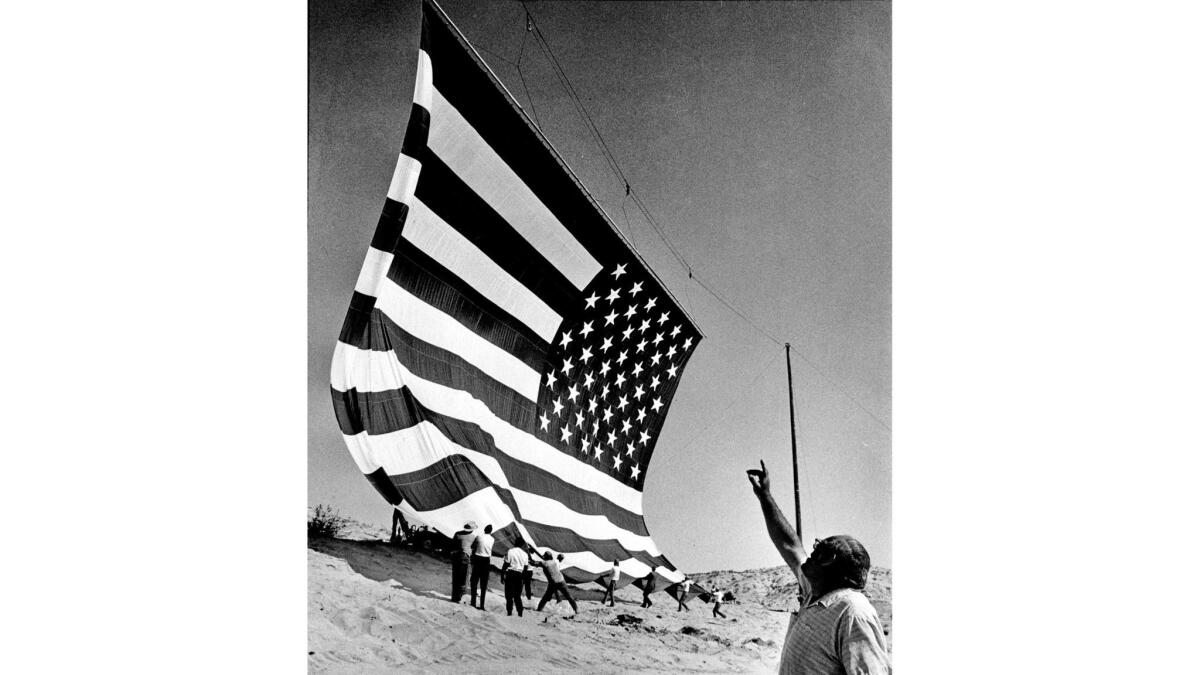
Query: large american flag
x=507, y=358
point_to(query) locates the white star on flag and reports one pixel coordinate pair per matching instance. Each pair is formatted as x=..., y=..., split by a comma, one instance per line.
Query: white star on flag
x=619, y=271
x=613, y=295
x=591, y=302
x=622, y=402
x=663, y=318
x=624, y=355
x=639, y=392
x=587, y=354
x=637, y=288
x=596, y=428
x=625, y=333
x=604, y=368
x=566, y=339
x=558, y=406
x=579, y=420
x=654, y=382
x=588, y=380
x=610, y=318
x=670, y=351
x=645, y=324
x=641, y=414
x=572, y=393
x=592, y=405
x=671, y=371
x=598, y=449
x=626, y=426
x=612, y=438
x=631, y=311
x=654, y=359
x=587, y=443
x=687, y=344
x=657, y=339
x=566, y=434
x=608, y=413
x=657, y=404
x=620, y=379
x=675, y=331
x=642, y=345
x=616, y=461
x=637, y=370
x=604, y=391
x=634, y=471
x=567, y=366
x=644, y=439
x=606, y=344
x=545, y=422
x=587, y=328
x=651, y=303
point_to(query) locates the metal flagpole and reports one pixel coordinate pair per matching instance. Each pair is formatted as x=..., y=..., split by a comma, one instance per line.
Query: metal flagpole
x=787, y=350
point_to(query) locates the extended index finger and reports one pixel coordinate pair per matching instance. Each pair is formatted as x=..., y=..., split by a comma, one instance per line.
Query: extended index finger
x=763, y=465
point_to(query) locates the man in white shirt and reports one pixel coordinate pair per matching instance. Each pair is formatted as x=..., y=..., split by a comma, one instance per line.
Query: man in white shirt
x=512, y=574
x=683, y=594
x=836, y=630
x=481, y=564
x=610, y=591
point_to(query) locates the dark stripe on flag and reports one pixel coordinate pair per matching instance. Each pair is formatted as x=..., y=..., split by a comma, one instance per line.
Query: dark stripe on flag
x=427, y=279
x=470, y=90
x=391, y=224
x=356, y=329
x=444, y=367
x=457, y=204
x=416, y=137
x=384, y=412
x=453, y=478
x=380, y=480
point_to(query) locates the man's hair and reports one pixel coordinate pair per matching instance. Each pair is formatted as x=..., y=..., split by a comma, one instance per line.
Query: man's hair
x=488, y=529
x=560, y=556
x=842, y=562
x=546, y=555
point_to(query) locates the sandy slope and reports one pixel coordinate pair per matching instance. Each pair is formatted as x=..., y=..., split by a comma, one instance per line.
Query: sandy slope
x=379, y=608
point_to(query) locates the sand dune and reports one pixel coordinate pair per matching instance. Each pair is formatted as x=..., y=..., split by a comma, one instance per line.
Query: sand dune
x=374, y=607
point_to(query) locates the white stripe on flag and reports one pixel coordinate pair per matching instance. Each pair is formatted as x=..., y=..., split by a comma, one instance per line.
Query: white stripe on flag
x=415, y=448
x=457, y=143
x=370, y=371
x=446, y=245
x=441, y=330
x=373, y=272
x=423, y=90
x=404, y=179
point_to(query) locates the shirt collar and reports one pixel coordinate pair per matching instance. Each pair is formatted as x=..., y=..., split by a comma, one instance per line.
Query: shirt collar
x=830, y=597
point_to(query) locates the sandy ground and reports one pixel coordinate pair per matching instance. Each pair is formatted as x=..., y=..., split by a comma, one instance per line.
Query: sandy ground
x=377, y=608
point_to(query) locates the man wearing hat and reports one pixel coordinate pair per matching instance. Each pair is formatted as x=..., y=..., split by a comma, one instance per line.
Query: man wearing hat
x=836, y=629
x=460, y=559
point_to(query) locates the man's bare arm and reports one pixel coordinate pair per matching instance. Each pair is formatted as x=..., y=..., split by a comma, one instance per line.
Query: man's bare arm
x=783, y=535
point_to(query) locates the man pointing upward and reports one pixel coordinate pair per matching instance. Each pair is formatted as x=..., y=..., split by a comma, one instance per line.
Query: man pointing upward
x=836, y=629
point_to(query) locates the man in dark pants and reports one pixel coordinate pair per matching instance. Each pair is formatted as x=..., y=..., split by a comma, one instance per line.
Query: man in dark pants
x=554, y=582
x=481, y=564
x=683, y=595
x=512, y=575
x=460, y=559
x=610, y=590
x=647, y=588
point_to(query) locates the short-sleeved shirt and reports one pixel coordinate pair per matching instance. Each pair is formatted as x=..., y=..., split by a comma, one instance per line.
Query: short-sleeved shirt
x=463, y=540
x=483, y=545
x=616, y=574
x=552, y=571
x=687, y=585
x=516, y=559
x=838, y=633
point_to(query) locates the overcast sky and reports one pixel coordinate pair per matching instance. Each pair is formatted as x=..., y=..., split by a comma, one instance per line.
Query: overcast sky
x=759, y=137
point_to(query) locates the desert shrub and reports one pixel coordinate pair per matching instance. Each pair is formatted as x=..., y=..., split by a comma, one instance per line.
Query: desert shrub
x=325, y=523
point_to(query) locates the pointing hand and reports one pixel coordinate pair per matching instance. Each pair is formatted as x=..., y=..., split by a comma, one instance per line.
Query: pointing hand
x=760, y=480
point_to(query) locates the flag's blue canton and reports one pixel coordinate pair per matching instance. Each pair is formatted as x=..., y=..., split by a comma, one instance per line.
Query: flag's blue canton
x=612, y=372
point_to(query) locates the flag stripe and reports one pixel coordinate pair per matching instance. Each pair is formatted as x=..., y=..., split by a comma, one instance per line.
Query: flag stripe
x=427, y=436
x=429, y=281
x=383, y=372
x=434, y=326
x=469, y=90
x=469, y=156
x=474, y=269
x=451, y=199
x=425, y=361
x=453, y=479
